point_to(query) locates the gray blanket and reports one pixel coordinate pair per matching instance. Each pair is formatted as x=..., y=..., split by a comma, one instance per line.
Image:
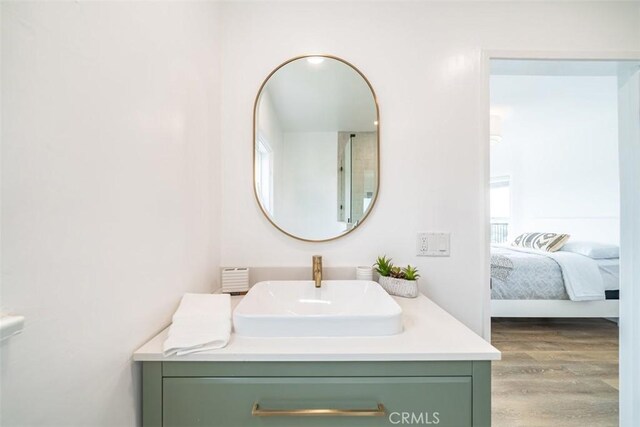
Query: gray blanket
x=521, y=275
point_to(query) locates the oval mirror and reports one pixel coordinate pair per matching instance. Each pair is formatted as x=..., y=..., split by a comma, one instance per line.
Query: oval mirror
x=316, y=148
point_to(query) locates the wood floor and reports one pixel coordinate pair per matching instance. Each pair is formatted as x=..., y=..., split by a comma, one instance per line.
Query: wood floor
x=555, y=372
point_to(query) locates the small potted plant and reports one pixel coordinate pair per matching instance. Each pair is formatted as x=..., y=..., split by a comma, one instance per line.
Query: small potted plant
x=398, y=281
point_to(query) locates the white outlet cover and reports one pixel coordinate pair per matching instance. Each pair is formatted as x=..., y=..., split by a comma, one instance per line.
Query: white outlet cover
x=422, y=244
x=433, y=244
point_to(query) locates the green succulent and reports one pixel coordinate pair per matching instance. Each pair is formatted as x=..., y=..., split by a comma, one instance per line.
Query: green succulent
x=383, y=266
x=397, y=273
x=410, y=273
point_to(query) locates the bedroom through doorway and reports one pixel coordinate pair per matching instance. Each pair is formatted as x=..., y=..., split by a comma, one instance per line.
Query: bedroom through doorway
x=555, y=229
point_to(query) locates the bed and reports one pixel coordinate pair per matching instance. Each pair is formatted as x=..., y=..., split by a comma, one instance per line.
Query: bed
x=534, y=283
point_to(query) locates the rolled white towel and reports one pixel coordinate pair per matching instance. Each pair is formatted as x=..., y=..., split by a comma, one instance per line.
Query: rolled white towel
x=201, y=323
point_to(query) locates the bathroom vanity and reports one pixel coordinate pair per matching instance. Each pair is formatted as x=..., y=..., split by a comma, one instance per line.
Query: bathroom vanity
x=322, y=353
x=435, y=372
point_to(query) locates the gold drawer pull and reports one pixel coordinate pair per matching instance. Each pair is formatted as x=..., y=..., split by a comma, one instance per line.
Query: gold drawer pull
x=321, y=412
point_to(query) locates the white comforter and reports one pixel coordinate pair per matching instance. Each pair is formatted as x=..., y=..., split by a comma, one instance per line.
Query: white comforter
x=581, y=274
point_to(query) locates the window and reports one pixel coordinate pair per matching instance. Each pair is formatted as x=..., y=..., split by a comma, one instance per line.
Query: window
x=264, y=173
x=500, y=208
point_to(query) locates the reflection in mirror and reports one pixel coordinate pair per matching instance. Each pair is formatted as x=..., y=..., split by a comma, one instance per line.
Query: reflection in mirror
x=357, y=160
x=316, y=164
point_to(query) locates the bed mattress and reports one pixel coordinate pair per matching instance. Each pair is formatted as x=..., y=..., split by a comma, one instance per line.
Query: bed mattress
x=519, y=275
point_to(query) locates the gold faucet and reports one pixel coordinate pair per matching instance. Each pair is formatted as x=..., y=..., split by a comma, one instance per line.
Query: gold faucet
x=317, y=270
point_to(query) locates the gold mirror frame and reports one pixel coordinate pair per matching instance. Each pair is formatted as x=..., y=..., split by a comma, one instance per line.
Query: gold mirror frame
x=253, y=147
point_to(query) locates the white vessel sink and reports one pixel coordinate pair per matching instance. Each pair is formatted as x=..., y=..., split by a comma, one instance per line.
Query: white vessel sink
x=299, y=309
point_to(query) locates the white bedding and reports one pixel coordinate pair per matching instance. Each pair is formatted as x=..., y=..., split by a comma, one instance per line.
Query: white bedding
x=582, y=277
x=610, y=270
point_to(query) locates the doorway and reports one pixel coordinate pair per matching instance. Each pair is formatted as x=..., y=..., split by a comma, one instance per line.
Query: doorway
x=563, y=134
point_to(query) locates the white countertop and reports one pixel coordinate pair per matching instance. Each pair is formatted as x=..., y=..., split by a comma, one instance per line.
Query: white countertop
x=430, y=334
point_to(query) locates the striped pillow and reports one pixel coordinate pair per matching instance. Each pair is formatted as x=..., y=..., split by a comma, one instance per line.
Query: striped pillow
x=549, y=242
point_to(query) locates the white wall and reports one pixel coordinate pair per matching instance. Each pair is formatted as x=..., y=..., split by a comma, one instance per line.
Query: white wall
x=424, y=61
x=629, y=108
x=560, y=149
x=110, y=165
x=308, y=203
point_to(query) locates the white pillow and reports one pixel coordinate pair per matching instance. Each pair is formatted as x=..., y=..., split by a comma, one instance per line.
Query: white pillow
x=592, y=249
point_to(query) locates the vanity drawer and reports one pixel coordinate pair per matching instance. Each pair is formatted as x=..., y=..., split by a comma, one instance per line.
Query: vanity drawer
x=228, y=402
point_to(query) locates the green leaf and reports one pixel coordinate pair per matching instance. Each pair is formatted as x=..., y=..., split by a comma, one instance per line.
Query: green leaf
x=410, y=273
x=383, y=266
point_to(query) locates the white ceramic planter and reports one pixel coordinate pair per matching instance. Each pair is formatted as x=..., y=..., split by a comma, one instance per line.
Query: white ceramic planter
x=399, y=287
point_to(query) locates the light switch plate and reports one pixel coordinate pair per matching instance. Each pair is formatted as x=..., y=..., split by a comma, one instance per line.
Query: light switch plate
x=433, y=244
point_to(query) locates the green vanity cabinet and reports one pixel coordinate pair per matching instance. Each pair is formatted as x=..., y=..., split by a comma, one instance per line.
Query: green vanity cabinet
x=245, y=394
